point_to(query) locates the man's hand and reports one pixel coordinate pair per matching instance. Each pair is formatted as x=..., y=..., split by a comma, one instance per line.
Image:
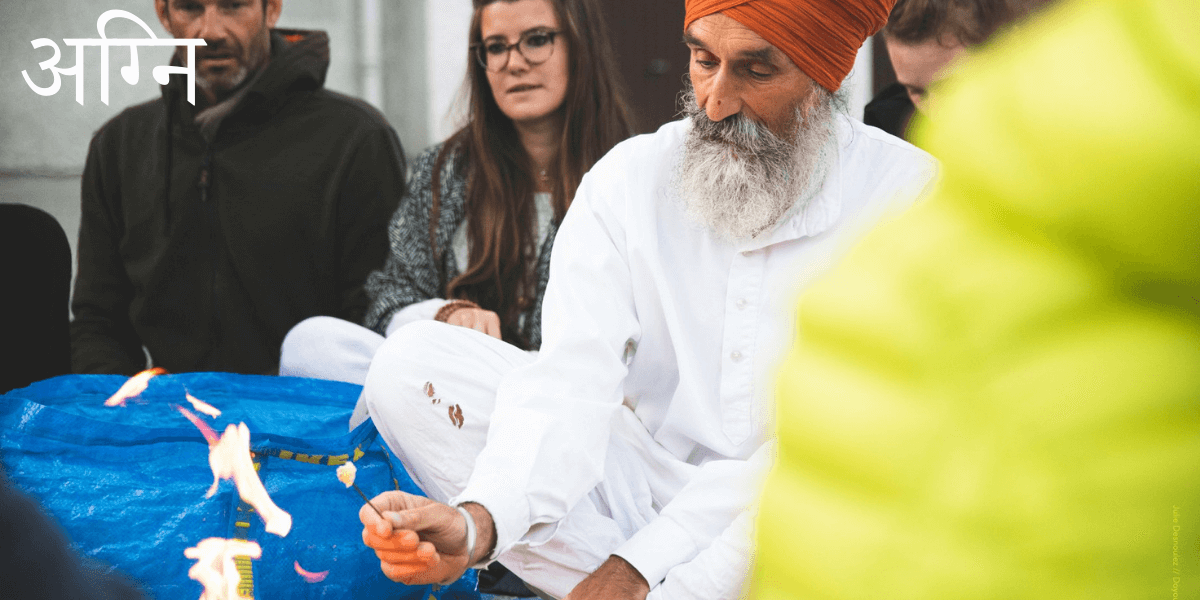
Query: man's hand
x=614, y=579
x=484, y=321
x=423, y=541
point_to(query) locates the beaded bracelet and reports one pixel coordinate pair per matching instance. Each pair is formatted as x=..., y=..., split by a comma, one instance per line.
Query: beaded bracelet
x=443, y=314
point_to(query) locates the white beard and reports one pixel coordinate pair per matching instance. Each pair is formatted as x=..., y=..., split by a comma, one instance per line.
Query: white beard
x=739, y=179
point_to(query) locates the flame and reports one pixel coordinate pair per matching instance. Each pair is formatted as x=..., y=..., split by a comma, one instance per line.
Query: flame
x=215, y=569
x=133, y=386
x=230, y=458
x=209, y=433
x=309, y=576
x=202, y=406
x=346, y=473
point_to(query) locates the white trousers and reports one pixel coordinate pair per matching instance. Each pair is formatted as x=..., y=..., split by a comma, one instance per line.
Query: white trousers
x=333, y=349
x=431, y=390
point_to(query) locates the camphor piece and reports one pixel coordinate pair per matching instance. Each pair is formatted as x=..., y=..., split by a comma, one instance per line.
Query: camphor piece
x=310, y=576
x=345, y=474
x=230, y=459
x=209, y=433
x=215, y=569
x=202, y=406
x=133, y=386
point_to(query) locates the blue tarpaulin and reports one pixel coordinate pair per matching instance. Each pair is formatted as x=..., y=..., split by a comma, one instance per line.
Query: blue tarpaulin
x=128, y=483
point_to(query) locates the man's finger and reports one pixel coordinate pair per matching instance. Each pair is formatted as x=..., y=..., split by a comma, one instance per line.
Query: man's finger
x=405, y=540
x=412, y=574
x=422, y=554
x=433, y=516
x=371, y=521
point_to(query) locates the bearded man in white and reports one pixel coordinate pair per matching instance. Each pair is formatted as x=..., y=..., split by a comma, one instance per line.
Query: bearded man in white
x=624, y=460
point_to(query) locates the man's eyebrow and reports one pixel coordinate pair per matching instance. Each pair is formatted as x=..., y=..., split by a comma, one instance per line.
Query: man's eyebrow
x=766, y=54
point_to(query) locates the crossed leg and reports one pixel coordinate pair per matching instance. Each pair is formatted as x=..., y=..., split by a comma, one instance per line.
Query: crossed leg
x=431, y=391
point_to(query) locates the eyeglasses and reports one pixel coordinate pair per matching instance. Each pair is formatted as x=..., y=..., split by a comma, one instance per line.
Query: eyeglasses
x=536, y=46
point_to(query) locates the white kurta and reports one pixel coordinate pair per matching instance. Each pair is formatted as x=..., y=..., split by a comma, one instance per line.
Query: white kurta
x=648, y=310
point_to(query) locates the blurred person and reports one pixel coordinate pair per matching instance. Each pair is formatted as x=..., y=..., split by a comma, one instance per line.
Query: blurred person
x=208, y=231
x=38, y=562
x=924, y=40
x=36, y=316
x=471, y=241
x=998, y=395
x=623, y=461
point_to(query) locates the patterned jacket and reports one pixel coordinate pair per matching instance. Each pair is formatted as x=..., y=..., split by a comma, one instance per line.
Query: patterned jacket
x=411, y=273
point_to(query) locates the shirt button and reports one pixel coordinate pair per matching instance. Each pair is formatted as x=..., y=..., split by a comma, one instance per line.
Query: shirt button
x=741, y=303
x=736, y=356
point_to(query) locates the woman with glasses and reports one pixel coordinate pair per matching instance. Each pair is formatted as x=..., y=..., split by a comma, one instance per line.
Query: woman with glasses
x=470, y=242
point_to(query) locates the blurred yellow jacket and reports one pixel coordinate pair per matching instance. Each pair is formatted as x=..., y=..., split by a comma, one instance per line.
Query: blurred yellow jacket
x=997, y=396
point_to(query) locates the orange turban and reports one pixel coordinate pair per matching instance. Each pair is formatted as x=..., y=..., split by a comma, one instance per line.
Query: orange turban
x=820, y=36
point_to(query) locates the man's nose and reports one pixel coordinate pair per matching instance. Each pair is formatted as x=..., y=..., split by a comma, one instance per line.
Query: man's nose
x=724, y=99
x=211, y=25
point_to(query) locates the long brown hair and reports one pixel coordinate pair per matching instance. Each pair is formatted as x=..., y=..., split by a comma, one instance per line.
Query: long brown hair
x=501, y=223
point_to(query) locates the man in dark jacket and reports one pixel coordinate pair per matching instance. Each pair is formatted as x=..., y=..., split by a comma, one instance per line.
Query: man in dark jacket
x=208, y=231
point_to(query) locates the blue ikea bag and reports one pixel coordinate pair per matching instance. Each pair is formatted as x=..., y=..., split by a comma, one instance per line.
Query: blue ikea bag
x=128, y=483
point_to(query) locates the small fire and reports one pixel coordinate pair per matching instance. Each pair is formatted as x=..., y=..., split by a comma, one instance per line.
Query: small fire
x=133, y=386
x=309, y=576
x=209, y=433
x=346, y=473
x=215, y=569
x=202, y=406
x=230, y=458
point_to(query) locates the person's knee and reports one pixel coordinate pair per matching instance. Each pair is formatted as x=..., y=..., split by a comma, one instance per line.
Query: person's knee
x=399, y=355
x=304, y=336
x=309, y=331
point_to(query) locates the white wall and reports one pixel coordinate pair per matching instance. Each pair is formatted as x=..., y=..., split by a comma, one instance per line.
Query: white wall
x=446, y=22
x=49, y=134
x=859, y=82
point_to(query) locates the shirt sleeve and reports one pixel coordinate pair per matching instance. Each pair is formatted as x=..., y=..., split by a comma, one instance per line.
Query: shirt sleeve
x=550, y=429
x=702, y=512
x=418, y=311
x=103, y=339
x=719, y=572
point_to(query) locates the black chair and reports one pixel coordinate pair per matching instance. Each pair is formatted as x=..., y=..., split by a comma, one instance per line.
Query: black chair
x=35, y=292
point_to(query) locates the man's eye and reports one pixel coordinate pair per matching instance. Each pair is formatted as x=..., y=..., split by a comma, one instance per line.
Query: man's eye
x=496, y=48
x=758, y=74
x=537, y=40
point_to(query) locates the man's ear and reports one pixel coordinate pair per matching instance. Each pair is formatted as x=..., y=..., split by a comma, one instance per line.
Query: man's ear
x=160, y=7
x=274, y=8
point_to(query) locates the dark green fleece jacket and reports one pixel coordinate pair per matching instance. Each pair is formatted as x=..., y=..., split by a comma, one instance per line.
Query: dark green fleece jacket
x=207, y=252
